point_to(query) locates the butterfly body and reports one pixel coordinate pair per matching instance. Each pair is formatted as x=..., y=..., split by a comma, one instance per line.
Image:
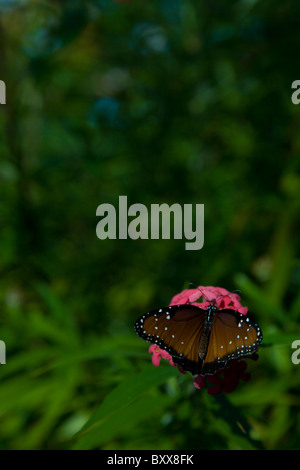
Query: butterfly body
x=200, y=341
x=208, y=322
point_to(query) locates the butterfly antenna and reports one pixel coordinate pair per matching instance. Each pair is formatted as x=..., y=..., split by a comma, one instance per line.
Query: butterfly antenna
x=226, y=295
x=197, y=287
x=191, y=284
x=214, y=301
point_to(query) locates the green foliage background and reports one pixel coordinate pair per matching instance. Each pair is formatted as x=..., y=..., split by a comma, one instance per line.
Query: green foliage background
x=162, y=101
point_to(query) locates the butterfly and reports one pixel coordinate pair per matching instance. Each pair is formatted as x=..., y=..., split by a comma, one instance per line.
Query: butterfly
x=200, y=341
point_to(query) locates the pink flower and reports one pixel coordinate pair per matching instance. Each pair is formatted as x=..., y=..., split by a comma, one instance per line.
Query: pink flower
x=158, y=353
x=227, y=379
x=222, y=297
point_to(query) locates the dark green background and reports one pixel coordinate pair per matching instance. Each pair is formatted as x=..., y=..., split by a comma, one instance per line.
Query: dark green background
x=162, y=101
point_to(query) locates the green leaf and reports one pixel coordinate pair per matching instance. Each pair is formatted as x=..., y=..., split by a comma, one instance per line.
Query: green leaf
x=146, y=407
x=123, y=396
x=259, y=298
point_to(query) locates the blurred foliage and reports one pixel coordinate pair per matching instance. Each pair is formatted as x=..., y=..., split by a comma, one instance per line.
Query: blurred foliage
x=162, y=101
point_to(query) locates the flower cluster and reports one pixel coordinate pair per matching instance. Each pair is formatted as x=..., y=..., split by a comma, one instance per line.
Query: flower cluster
x=224, y=380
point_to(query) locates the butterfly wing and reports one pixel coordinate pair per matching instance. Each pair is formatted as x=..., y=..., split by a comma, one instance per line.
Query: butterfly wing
x=178, y=330
x=232, y=336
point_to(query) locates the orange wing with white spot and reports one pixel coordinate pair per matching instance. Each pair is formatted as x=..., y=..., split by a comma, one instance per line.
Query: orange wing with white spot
x=232, y=336
x=177, y=329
